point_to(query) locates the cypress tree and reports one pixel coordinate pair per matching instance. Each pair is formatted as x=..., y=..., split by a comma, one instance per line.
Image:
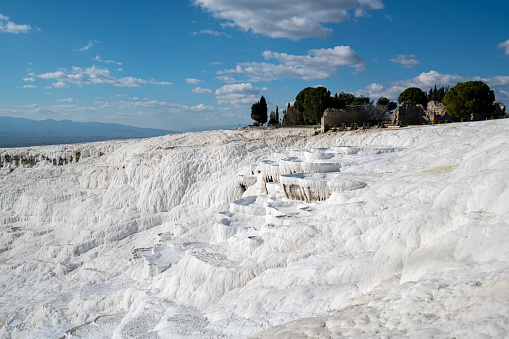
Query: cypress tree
x=263, y=110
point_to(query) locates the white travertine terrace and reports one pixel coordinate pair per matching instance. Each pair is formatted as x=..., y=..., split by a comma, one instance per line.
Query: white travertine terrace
x=317, y=186
x=181, y=236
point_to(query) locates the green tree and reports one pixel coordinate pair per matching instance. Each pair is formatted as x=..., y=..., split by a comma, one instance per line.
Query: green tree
x=349, y=99
x=415, y=95
x=312, y=101
x=435, y=94
x=259, y=111
x=384, y=102
x=469, y=97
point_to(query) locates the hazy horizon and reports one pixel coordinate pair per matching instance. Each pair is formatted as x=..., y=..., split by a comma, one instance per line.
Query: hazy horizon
x=22, y=132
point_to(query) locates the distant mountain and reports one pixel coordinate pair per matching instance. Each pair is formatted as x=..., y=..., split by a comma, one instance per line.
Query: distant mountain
x=20, y=132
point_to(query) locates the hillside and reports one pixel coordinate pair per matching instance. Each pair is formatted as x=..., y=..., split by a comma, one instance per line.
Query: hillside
x=191, y=235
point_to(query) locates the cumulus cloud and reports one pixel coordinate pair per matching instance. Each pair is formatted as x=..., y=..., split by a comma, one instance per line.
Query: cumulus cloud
x=226, y=78
x=193, y=81
x=29, y=86
x=361, y=13
x=87, y=46
x=59, y=84
x=293, y=20
x=406, y=60
x=99, y=59
x=7, y=26
x=71, y=107
x=237, y=94
x=213, y=33
x=316, y=64
x=505, y=46
x=92, y=76
x=498, y=81
x=201, y=90
x=163, y=107
x=427, y=80
x=66, y=100
x=160, y=82
x=29, y=79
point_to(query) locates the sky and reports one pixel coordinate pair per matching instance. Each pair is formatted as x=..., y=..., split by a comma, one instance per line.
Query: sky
x=187, y=64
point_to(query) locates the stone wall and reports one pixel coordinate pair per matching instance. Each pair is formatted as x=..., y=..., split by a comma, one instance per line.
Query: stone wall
x=292, y=116
x=436, y=112
x=410, y=114
x=335, y=117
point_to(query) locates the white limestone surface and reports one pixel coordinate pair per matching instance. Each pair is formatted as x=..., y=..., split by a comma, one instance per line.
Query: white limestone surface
x=158, y=238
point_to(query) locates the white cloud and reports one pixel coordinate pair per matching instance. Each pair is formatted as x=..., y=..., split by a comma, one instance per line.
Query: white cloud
x=193, y=81
x=427, y=80
x=215, y=63
x=87, y=46
x=406, y=60
x=505, y=46
x=317, y=64
x=29, y=79
x=60, y=84
x=213, y=33
x=92, y=76
x=432, y=78
x=99, y=59
x=237, y=94
x=29, y=86
x=72, y=108
x=294, y=20
x=201, y=90
x=160, y=82
x=66, y=100
x=503, y=95
x=361, y=13
x=226, y=78
x=162, y=107
x=7, y=26
x=498, y=81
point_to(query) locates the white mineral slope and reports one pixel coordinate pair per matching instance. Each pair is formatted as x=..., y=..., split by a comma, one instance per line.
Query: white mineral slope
x=148, y=238
x=445, y=272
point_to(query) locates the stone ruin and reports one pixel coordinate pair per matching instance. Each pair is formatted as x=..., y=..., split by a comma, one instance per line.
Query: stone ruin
x=436, y=112
x=292, y=116
x=335, y=117
x=410, y=114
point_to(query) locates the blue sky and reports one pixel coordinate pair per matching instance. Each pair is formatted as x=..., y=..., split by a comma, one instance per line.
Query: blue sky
x=184, y=64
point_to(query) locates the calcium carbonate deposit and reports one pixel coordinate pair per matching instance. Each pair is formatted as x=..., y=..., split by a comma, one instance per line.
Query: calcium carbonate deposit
x=259, y=233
